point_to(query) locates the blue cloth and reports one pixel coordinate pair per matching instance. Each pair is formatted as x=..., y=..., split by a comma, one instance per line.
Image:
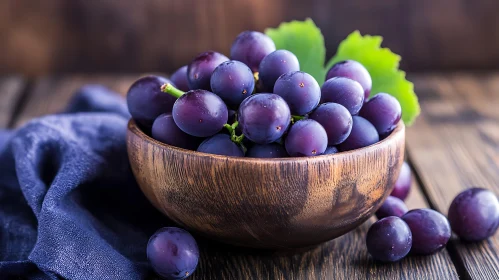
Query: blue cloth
x=69, y=205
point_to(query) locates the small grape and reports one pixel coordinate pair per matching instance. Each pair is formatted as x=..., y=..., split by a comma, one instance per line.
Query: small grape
x=330, y=150
x=272, y=150
x=179, y=79
x=383, y=111
x=250, y=47
x=392, y=206
x=300, y=90
x=353, y=70
x=220, y=144
x=389, y=239
x=363, y=134
x=335, y=119
x=165, y=130
x=306, y=138
x=474, y=214
x=199, y=71
x=274, y=65
x=200, y=113
x=233, y=81
x=173, y=253
x=403, y=184
x=146, y=101
x=263, y=118
x=344, y=91
x=430, y=230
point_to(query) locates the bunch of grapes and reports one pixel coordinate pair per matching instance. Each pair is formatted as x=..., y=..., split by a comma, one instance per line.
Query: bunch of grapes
x=259, y=104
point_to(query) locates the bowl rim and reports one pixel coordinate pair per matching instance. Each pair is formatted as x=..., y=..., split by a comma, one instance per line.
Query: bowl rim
x=132, y=127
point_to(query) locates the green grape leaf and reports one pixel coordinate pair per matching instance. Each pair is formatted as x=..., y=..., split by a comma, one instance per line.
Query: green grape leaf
x=305, y=40
x=383, y=65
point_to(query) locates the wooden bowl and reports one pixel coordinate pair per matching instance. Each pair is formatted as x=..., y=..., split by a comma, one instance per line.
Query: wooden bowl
x=266, y=203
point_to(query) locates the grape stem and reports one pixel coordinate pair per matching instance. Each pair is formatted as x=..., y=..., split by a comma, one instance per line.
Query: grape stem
x=296, y=118
x=232, y=130
x=171, y=90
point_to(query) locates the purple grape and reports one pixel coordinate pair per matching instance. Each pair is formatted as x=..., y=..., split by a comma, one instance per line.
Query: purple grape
x=306, y=138
x=335, y=119
x=383, y=111
x=179, y=79
x=165, y=130
x=403, y=185
x=430, y=230
x=200, y=69
x=274, y=65
x=389, y=239
x=146, y=101
x=330, y=150
x=173, y=253
x=363, y=134
x=200, y=113
x=233, y=81
x=344, y=91
x=300, y=90
x=220, y=144
x=264, y=117
x=392, y=206
x=474, y=214
x=353, y=70
x=250, y=47
x=272, y=150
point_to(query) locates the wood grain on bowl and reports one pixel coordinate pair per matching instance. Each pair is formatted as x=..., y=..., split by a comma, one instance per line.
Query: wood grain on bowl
x=266, y=203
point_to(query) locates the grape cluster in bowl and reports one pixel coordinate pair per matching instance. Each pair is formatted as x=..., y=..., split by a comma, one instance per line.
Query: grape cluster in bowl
x=259, y=104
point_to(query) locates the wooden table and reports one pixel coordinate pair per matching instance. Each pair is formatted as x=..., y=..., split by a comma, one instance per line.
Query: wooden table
x=453, y=145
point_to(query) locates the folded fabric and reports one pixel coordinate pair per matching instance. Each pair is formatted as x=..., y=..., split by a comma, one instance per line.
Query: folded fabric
x=69, y=204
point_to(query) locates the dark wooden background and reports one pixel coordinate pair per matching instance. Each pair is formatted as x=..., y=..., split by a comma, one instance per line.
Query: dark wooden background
x=56, y=36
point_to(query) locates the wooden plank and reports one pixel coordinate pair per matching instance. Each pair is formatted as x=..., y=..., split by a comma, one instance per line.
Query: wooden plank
x=51, y=94
x=343, y=258
x=39, y=37
x=455, y=145
x=11, y=90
